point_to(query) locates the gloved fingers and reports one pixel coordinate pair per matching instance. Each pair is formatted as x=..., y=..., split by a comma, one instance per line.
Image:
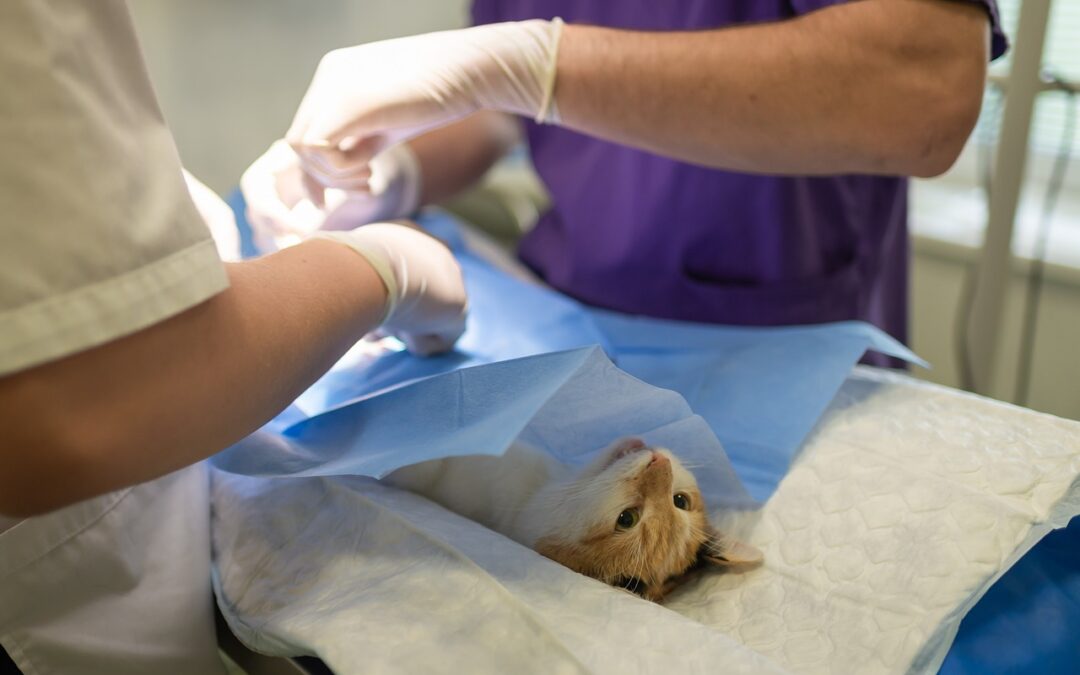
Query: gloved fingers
x=329, y=167
x=423, y=345
x=314, y=189
x=324, y=132
x=311, y=105
x=438, y=333
x=334, y=131
x=430, y=344
x=286, y=204
x=357, y=181
x=326, y=161
x=317, y=179
x=391, y=191
x=349, y=210
x=344, y=136
x=272, y=187
x=346, y=158
x=266, y=214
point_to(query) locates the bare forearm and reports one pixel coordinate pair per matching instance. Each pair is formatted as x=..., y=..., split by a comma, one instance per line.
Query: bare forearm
x=454, y=157
x=876, y=86
x=177, y=392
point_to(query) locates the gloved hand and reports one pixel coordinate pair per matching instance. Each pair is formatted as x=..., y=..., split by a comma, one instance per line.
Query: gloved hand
x=364, y=99
x=218, y=217
x=426, y=303
x=281, y=214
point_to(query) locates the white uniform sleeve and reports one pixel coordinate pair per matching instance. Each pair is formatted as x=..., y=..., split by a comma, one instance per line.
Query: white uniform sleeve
x=98, y=235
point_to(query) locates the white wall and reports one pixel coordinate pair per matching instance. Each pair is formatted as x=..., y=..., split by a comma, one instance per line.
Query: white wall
x=948, y=217
x=230, y=73
x=937, y=282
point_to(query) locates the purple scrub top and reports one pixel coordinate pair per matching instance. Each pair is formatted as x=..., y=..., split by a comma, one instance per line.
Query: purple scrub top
x=635, y=232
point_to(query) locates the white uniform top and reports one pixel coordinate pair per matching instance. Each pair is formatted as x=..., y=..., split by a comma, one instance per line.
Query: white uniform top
x=98, y=239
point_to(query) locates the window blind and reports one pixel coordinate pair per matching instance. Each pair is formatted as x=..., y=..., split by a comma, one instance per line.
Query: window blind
x=1061, y=56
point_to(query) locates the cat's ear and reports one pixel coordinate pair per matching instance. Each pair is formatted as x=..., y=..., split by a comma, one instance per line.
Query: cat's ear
x=720, y=550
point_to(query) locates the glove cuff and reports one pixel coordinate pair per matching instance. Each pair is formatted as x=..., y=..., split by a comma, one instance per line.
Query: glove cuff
x=515, y=67
x=548, y=112
x=411, y=181
x=377, y=256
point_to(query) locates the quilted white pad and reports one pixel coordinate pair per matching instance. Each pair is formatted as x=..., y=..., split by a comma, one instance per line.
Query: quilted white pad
x=905, y=505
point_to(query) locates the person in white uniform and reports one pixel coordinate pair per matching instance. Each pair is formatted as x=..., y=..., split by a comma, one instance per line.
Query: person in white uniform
x=129, y=351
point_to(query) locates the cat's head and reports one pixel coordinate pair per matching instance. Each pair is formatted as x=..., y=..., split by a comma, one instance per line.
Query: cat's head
x=635, y=518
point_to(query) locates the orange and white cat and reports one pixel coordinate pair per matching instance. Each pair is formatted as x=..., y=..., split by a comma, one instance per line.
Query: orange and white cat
x=633, y=518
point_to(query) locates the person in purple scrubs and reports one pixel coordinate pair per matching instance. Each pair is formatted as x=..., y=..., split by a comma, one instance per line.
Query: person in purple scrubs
x=737, y=162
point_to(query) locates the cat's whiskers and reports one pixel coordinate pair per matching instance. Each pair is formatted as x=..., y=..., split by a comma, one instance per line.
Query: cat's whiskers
x=639, y=560
x=696, y=530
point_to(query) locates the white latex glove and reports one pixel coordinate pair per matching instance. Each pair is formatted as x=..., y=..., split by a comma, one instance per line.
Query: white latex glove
x=218, y=217
x=364, y=99
x=426, y=303
x=281, y=214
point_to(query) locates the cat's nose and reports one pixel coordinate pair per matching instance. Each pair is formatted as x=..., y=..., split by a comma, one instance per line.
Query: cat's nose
x=656, y=476
x=658, y=459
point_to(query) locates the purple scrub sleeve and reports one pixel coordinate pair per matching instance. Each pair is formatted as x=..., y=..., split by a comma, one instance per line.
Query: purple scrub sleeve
x=635, y=232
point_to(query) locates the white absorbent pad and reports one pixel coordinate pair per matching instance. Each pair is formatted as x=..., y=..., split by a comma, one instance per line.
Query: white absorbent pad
x=905, y=505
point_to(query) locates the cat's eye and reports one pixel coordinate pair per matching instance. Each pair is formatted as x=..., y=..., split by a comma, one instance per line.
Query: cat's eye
x=682, y=501
x=627, y=519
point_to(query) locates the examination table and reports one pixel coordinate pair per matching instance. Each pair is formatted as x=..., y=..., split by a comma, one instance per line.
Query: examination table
x=905, y=526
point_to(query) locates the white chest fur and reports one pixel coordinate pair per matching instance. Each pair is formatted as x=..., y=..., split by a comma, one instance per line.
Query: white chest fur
x=494, y=491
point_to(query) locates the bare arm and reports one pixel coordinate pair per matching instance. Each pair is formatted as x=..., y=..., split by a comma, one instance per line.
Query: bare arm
x=454, y=157
x=873, y=86
x=165, y=397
